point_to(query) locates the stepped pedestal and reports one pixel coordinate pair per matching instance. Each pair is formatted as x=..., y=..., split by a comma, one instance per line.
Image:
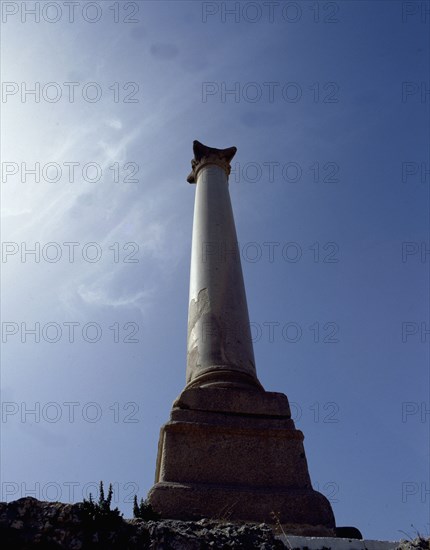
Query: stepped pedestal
x=235, y=454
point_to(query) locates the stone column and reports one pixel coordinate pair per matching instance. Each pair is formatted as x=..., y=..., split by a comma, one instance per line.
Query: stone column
x=220, y=349
x=230, y=449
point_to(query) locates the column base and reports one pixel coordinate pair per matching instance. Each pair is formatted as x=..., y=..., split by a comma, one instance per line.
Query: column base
x=235, y=454
x=219, y=377
x=298, y=512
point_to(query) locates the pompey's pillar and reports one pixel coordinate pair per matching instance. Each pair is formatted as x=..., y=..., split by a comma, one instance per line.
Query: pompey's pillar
x=230, y=449
x=220, y=349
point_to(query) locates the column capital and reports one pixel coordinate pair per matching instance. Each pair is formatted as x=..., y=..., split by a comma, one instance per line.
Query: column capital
x=204, y=155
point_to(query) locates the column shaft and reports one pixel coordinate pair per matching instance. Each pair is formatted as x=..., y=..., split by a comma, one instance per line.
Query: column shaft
x=220, y=348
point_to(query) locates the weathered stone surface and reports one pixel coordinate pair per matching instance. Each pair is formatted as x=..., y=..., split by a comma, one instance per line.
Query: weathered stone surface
x=219, y=343
x=208, y=453
x=209, y=155
x=238, y=451
x=28, y=524
x=419, y=543
x=299, y=511
x=255, y=403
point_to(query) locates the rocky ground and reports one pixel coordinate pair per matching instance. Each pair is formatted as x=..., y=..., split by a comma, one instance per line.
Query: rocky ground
x=419, y=543
x=30, y=524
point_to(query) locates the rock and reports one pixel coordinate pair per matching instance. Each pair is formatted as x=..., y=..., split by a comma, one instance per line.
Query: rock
x=28, y=524
x=348, y=533
x=419, y=543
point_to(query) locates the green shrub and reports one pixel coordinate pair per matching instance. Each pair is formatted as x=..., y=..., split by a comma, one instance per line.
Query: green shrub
x=144, y=510
x=100, y=512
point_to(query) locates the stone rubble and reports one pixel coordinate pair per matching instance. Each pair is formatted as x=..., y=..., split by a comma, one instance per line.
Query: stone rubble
x=29, y=524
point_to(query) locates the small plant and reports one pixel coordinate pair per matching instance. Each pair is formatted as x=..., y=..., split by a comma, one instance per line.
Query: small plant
x=416, y=541
x=144, y=510
x=100, y=511
x=275, y=517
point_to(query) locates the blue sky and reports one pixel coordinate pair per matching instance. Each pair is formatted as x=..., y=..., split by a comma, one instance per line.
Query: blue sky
x=327, y=104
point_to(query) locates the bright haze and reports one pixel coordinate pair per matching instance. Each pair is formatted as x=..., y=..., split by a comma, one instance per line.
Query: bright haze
x=328, y=105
